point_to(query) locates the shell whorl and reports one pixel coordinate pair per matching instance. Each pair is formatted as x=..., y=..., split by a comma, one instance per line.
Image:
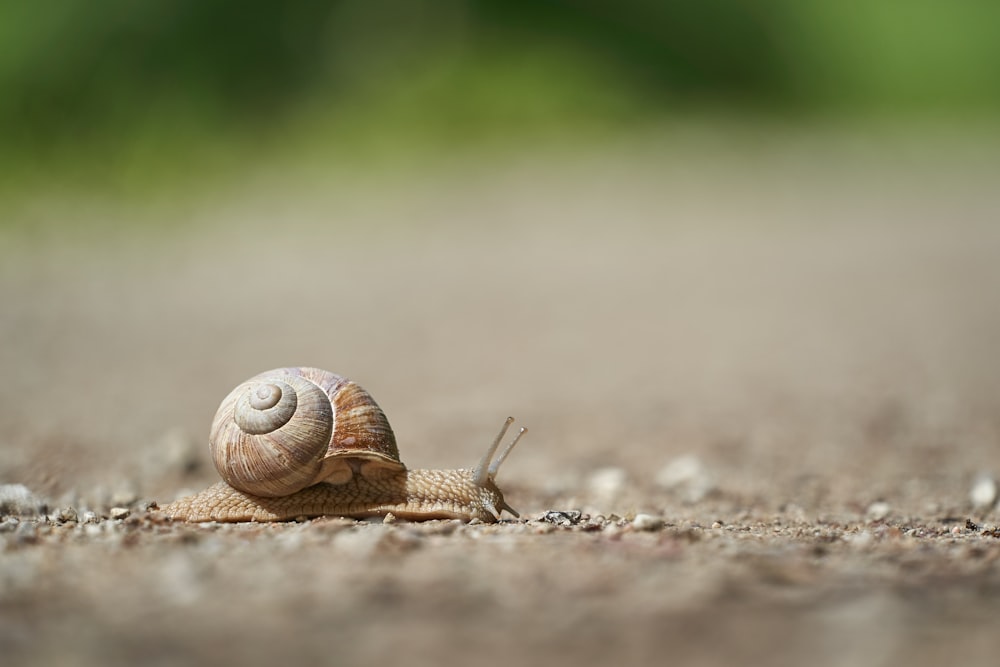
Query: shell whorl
x=287, y=429
x=265, y=407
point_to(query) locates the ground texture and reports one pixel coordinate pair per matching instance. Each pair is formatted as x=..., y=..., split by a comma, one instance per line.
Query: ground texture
x=760, y=388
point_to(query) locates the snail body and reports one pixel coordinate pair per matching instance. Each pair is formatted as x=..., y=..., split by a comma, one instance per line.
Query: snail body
x=303, y=442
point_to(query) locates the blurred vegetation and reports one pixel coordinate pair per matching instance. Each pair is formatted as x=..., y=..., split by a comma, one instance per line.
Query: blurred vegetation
x=125, y=94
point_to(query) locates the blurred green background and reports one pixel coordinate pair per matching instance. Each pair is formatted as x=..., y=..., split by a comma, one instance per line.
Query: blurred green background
x=126, y=96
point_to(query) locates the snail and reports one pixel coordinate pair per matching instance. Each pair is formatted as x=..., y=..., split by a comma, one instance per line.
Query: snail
x=303, y=442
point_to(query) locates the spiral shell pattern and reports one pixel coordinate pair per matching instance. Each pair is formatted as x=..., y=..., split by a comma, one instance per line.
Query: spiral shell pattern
x=287, y=429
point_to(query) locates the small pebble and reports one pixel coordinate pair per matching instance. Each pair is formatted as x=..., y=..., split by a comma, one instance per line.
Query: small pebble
x=647, y=522
x=91, y=517
x=389, y=518
x=67, y=515
x=561, y=517
x=18, y=499
x=606, y=484
x=878, y=510
x=984, y=492
x=862, y=539
x=124, y=495
x=686, y=476
x=119, y=512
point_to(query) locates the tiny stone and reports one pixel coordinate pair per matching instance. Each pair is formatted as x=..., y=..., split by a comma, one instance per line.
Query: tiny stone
x=123, y=496
x=862, y=539
x=716, y=524
x=90, y=517
x=68, y=515
x=984, y=492
x=647, y=522
x=119, y=512
x=878, y=510
x=607, y=483
x=389, y=518
x=561, y=517
x=688, y=477
x=19, y=500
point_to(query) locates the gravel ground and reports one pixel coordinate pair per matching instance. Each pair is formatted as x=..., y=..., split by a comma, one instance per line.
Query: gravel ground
x=762, y=388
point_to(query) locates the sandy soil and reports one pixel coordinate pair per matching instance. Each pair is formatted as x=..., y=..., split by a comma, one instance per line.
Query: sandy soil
x=784, y=362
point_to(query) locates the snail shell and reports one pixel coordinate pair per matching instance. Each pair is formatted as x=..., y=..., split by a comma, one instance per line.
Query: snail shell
x=289, y=428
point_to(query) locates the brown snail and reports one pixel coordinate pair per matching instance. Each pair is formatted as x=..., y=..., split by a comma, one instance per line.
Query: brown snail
x=296, y=442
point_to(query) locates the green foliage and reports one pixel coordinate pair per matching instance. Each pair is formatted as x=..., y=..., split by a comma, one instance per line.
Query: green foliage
x=133, y=91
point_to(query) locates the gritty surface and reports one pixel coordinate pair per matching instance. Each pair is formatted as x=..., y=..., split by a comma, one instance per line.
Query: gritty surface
x=763, y=398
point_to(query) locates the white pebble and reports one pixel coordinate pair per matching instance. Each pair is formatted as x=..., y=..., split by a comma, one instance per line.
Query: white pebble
x=607, y=483
x=862, y=539
x=878, y=510
x=18, y=499
x=687, y=476
x=647, y=522
x=125, y=494
x=984, y=492
x=119, y=512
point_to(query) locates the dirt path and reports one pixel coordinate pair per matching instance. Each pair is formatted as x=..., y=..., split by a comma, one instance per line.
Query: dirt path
x=812, y=335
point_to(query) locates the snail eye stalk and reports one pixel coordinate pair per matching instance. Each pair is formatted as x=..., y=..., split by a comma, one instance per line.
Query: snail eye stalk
x=488, y=467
